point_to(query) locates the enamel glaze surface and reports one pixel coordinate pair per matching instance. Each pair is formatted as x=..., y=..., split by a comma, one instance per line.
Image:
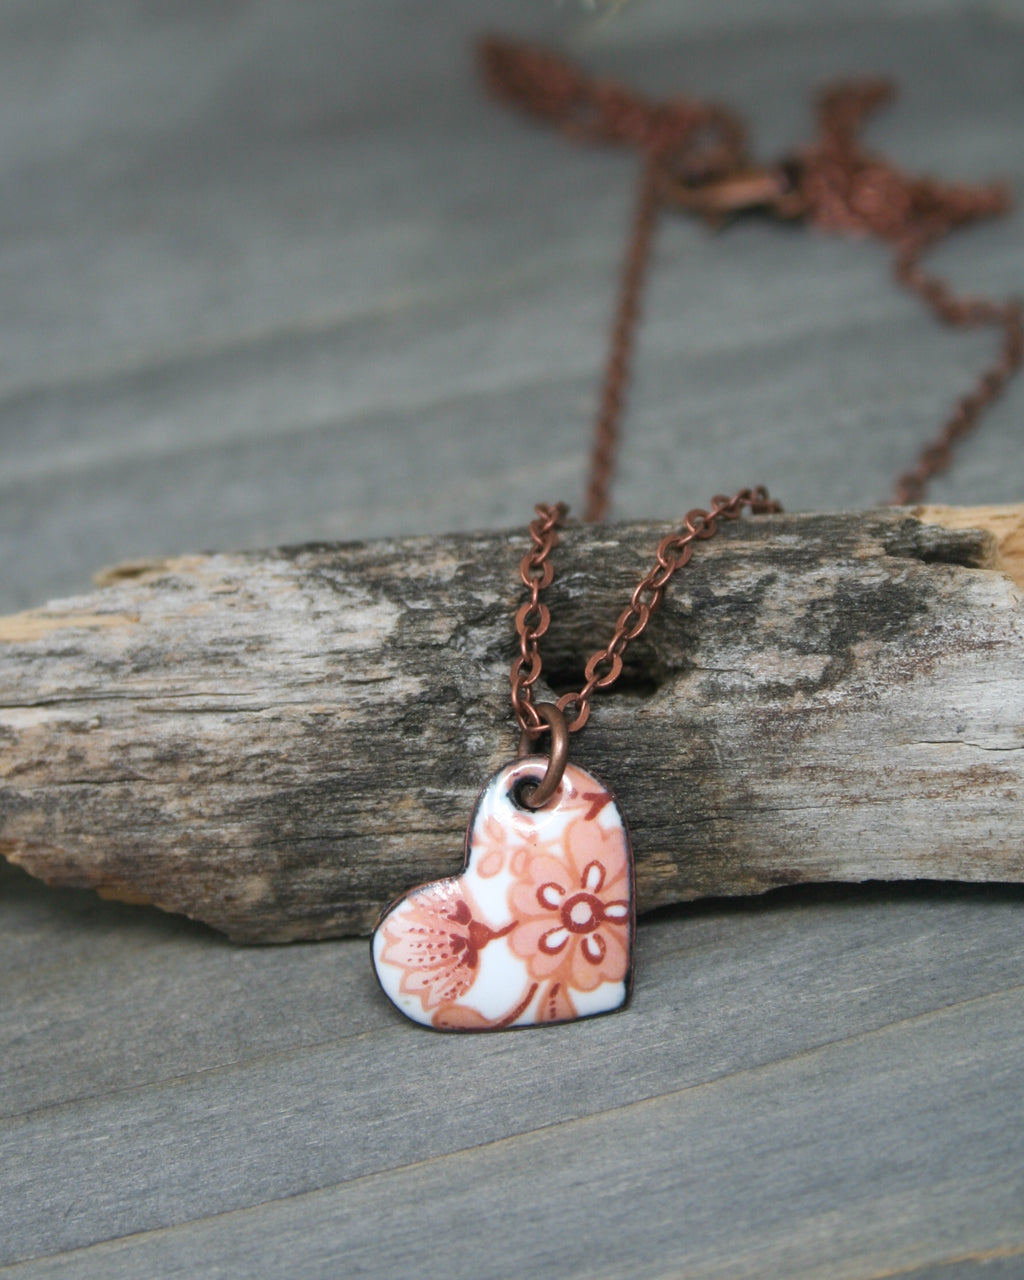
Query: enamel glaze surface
x=537, y=928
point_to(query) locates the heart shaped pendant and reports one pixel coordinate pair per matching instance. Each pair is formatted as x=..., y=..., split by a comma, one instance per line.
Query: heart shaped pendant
x=537, y=928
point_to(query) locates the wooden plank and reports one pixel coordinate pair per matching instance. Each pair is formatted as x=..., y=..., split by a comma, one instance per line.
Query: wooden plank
x=714, y=418
x=256, y=258
x=720, y=996
x=198, y=203
x=660, y=1173
x=272, y=328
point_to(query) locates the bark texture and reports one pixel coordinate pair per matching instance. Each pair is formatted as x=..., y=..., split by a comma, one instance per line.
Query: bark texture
x=279, y=742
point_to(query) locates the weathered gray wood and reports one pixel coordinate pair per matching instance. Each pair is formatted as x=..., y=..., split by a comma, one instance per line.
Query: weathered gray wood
x=278, y=743
x=264, y=304
x=271, y=272
x=736, y=1004
x=666, y=1197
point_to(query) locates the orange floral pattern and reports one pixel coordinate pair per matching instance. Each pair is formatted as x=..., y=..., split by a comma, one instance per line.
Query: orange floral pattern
x=436, y=943
x=537, y=929
x=496, y=843
x=574, y=928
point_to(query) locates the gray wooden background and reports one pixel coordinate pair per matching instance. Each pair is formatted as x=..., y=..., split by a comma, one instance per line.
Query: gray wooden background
x=273, y=270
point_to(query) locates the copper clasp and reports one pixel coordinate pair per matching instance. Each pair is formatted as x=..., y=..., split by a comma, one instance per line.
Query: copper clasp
x=774, y=189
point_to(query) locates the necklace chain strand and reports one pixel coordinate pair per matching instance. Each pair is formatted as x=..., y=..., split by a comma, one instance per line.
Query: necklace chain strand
x=695, y=158
x=605, y=665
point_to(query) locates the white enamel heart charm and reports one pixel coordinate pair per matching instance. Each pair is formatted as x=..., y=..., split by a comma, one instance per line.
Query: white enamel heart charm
x=537, y=928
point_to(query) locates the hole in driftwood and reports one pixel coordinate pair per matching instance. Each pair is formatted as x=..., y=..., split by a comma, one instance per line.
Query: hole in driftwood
x=640, y=682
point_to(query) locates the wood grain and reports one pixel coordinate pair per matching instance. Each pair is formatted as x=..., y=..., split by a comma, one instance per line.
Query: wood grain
x=218, y=1103
x=278, y=743
x=272, y=272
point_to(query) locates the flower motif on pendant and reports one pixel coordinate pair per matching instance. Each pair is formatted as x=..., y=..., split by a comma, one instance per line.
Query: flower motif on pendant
x=572, y=913
x=435, y=940
x=496, y=843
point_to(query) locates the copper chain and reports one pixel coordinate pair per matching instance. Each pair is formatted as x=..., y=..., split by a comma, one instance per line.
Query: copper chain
x=605, y=666
x=695, y=159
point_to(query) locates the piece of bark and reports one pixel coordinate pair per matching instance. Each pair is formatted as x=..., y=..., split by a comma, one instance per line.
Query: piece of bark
x=278, y=742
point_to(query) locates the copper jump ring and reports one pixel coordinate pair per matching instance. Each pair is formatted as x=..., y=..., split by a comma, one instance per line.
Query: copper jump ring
x=557, y=758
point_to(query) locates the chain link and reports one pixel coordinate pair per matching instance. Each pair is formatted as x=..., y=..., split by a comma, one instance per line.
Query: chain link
x=533, y=619
x=695, y=159
x=604, y=666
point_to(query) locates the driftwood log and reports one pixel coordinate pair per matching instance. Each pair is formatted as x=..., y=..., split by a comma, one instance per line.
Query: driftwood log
x=278, y=742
